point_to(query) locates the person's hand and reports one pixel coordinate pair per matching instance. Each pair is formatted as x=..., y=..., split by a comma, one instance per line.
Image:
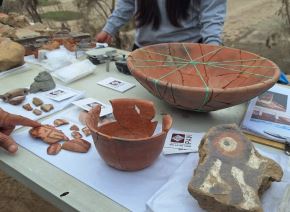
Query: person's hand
x=104, y=37
x=8, y=122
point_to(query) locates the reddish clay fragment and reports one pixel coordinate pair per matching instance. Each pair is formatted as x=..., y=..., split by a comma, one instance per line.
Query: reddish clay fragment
x=74, y=128
x=86, y=131
x=48, y=134
x=37, y=101
x=76, y=134
x=37, y=112
x=54, y=149
x=47, y=107
x=60, y=122
x=77, y=145
x=27, y=107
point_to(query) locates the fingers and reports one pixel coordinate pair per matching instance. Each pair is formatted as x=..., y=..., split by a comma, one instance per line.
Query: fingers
x=20, y=120
x=104, y=37
x=7, y=131
x=109, y=40
x=8, y=143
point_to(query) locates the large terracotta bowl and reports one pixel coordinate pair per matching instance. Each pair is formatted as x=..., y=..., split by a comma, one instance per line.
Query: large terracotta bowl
x=202, y=77
x=128, y=143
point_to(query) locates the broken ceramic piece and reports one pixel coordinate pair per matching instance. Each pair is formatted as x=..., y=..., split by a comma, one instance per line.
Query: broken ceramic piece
x=77, y=145
x=231, y=175
x=201, y=77
x=128, y=143
x=74, y=128
x=54, y=149
x=76, y=134
x=86, y=131
x=60, y=122
x=48, y=134
x=27, y=107
x=51, y=46
x=47, y=107
x=10, y=95
x=69, y=44
x=37, y=112
x=42, y=82
x=37, y=102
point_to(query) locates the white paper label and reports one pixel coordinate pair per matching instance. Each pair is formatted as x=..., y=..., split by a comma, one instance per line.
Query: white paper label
x=182, y=142
x=116, y=84
x=88, y=103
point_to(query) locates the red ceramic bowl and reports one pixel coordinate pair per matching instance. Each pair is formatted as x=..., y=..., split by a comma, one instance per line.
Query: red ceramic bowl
x=128, y=143
x=202, y=77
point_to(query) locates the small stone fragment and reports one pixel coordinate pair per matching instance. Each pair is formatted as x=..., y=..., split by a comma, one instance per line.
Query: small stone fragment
x=74, y=128
x=16, y=100
x=27, y=107
x=60, y=122
x=37, y=112
x=37, y=102
x=47, y=107
x=54, y=149
x=48, y=134
x=86, y=131
x=231, y=175
x=76, y=134
x=77, y=145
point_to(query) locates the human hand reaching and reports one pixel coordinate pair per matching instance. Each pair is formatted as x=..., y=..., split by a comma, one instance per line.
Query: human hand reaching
x=8, y=122
x=104, y=37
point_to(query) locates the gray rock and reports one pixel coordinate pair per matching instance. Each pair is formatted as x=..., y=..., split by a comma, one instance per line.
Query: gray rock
x=42, y=82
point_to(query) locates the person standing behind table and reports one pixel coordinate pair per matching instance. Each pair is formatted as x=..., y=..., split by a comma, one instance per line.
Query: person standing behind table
x=163, y=21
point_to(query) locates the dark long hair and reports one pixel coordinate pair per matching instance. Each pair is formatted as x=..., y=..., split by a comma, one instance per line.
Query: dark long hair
x=148, y=12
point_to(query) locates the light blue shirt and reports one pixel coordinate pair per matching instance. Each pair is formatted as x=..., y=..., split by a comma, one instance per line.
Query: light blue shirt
x=205, y=23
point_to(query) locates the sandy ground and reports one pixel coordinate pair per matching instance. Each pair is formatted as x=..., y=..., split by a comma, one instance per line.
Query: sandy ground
x=245, y=16
x=249, y=24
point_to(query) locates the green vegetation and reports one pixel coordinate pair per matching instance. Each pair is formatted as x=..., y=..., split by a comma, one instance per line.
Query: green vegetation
x=61, y=15
x=47, y=2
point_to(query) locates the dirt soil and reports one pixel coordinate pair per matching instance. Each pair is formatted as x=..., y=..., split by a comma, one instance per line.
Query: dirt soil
x=254, y=25
x=249, y=24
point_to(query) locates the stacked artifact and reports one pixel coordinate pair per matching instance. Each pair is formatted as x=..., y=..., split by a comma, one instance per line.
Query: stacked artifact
x=39, y=36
